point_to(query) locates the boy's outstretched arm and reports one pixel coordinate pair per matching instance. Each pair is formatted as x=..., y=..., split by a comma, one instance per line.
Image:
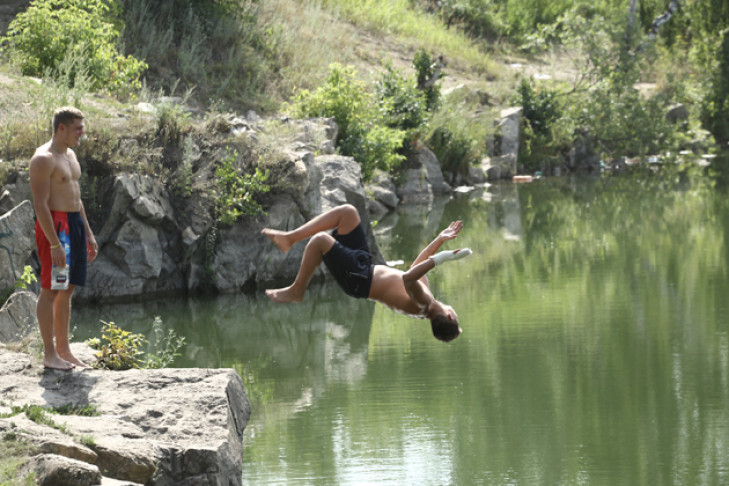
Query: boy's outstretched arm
x=447, y=234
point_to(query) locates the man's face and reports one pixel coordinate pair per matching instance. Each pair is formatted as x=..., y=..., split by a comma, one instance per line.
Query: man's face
x=72, y=132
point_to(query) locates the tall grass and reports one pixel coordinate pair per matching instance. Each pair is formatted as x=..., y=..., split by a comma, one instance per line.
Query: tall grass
x=398, y=18
x=308, y=39
x=217, y=48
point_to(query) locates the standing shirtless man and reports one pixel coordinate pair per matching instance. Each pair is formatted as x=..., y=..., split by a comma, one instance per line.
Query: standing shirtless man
x=346, y=255
x=54, y=181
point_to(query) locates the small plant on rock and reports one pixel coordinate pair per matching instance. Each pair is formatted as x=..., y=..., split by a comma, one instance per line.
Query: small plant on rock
x=123, y=350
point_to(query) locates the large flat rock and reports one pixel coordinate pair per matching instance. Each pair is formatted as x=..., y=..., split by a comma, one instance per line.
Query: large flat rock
x=157, y=427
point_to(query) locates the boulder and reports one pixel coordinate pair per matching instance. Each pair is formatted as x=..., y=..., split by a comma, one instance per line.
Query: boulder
x=383, y=190
x=15, y=190
x=677, y=113
x=140, y=243
x=423, y=178
x=244, y=258
x=17, y=242
x=155, y=427
x=508, y=129
x=17, y=317
x=55, y=470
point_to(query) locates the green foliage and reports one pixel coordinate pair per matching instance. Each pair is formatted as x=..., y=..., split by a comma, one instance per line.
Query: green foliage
x=377, y=148
x=27, y=278
x=401, y=104
x=623, y=122
x=39, y=415
x=424, y=70
x=164, y=347
x=342, y=97
x=16, y=452
x=237, y=191
x=715, y=104
x=72, y=41
x=215, y=47
x=476, y=18
x=363, y=133
x=120, y=349
x=172, y=121
x=540, y=108
x=78, y=410
x=123, y=350
x=455, y=151
x=540, y=114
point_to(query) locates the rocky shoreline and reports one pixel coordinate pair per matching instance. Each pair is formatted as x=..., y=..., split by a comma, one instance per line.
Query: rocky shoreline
x=152, y=427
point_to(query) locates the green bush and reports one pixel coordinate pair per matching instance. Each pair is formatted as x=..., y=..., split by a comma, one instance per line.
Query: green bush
x=69, y=40
x=715, y=104
x=123, y=350
x=401, y=104
x=425, y=69
x=455, y=151
x=237, y=191
x=363, y=133
x=541, y=113
x=378, y=147
x=342, y=97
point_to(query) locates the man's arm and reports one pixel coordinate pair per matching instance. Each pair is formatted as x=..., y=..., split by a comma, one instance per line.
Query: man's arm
x=416, y=283
x=92, y=248
x=447, y=234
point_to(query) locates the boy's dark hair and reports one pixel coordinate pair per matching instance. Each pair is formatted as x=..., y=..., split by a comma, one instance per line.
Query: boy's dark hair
x=66, y=115
x=444, y=328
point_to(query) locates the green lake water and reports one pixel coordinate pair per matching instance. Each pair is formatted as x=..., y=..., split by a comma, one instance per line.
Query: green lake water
x=595, y=348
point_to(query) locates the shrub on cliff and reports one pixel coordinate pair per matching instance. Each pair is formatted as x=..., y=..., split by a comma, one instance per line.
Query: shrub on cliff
x=72, y=41
x=363, y=134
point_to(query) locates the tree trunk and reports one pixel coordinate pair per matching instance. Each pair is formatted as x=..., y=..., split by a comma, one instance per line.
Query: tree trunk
x=632, y=9
x=658, y=22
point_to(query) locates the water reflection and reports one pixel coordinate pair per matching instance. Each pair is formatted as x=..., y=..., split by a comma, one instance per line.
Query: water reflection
x=595, y=347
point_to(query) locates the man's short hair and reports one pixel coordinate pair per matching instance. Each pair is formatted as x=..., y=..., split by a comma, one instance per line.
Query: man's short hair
x=444, y=328
x=66, y=115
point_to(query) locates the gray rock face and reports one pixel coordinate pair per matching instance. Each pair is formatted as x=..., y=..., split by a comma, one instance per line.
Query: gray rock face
x=149, y=245
x=244, y=258
x=508, y=127
x=55, y=470
x=17, y=317
x=423, y=178
x=139, y=243
x=17, y=242
x=156, y=427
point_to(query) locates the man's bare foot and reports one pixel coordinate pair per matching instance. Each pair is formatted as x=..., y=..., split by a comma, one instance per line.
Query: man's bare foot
x=278, y=237
x=57, y=363
x=75, y=361
x=284, y=295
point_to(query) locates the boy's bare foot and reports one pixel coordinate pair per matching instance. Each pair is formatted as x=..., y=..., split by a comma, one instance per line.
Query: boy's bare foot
x=74, y=361
x=57, y=363
x=278, y=237
x=284, y=295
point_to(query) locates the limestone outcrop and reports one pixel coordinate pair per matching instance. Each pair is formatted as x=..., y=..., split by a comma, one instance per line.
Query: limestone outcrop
x=152, y=241
x=163, y=427
x=17, y=241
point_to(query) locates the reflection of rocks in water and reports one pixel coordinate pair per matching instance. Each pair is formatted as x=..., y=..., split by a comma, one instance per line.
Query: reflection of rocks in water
x=504, y=209
x=406, y=231
x=226, y=329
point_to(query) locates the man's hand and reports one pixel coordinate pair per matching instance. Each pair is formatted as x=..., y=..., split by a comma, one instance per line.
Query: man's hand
x=58, y=256
x=451, y=231
x=92, y=248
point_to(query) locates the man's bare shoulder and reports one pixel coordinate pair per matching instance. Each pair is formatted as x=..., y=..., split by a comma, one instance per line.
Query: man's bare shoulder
x=42, y=155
